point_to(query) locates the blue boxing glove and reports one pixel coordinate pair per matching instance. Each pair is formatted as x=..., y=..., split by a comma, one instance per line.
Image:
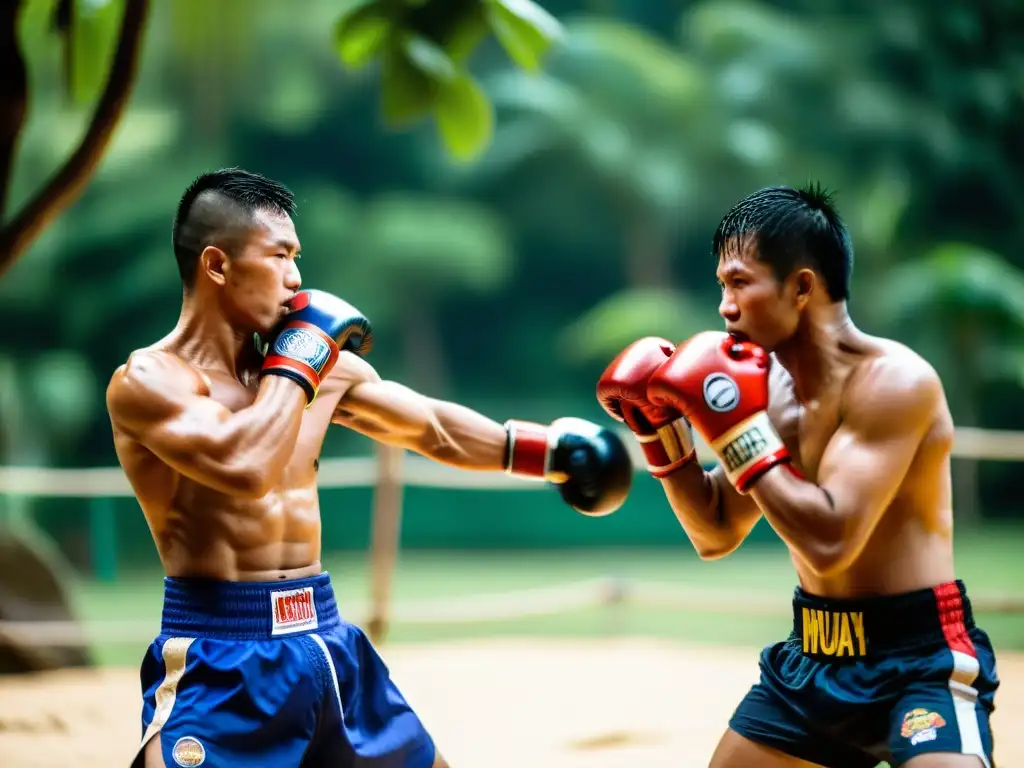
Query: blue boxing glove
x=309, y=339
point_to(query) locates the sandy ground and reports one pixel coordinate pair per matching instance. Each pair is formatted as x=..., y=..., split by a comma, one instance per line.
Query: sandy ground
x=494, y=703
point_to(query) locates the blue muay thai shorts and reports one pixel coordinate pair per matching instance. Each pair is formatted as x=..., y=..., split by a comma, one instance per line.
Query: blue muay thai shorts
x=268, y=675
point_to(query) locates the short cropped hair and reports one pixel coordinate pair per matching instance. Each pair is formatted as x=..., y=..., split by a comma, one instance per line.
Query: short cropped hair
x=217, y=209
x=792, y=228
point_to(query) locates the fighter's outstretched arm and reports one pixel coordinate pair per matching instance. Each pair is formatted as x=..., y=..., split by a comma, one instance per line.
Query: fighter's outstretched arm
x=589, y=464
x=392, y=413
x=161, y=403
x=828, y=523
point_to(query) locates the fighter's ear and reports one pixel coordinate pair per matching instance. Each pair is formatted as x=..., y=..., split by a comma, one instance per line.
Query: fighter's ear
x=213, y=262
x=804, y=281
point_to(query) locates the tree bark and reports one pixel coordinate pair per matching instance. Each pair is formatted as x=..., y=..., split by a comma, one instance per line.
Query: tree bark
x=647, y=254
x=65, y=186
x=424, y=350
x=13, y=96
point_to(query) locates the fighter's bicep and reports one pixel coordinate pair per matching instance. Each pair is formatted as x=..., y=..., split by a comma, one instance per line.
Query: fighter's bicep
x=384, y=410
x=159, y=404
x=867, y=459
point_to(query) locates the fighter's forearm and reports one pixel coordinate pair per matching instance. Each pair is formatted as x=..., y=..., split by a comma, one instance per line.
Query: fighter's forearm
x=250, y=449
x=803, y=514
x=715, y=519
x=463, y=438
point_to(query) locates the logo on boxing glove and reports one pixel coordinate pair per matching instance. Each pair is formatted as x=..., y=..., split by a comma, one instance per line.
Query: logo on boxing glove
x=304, y=346
x=721, y=393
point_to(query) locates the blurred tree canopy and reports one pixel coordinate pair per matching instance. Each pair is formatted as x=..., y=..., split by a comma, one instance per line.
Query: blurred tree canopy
x=421, y=45
x=583, y=222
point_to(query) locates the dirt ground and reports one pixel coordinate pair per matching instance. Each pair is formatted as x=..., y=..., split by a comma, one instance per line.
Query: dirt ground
x=494, y=703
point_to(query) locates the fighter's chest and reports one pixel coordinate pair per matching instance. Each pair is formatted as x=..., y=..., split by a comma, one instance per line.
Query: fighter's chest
x=805, y=428
x=237, y=395
x=230, y=392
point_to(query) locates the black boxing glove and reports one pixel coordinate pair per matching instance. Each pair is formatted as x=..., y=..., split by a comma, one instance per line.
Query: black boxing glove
x=309, y=339
x=588, y=463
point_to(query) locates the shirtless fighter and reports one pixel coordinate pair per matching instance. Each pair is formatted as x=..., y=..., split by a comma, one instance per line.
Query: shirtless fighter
x=842, y=441
x=220, y=439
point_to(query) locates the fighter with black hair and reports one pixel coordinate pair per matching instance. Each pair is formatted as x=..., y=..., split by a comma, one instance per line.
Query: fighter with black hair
x=220, y=438
x=841, y=441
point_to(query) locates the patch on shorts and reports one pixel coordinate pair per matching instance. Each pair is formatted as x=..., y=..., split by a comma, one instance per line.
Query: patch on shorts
x=188, y=752
x=294, y=611
x=920, y=725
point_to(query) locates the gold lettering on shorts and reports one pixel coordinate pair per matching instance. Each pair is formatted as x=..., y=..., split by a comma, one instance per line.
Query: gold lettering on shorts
x=834, y=633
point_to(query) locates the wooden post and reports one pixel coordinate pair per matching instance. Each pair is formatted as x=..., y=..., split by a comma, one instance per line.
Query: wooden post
x=385, y=536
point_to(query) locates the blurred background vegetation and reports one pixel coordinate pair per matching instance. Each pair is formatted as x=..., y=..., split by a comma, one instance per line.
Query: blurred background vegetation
x=551, y=200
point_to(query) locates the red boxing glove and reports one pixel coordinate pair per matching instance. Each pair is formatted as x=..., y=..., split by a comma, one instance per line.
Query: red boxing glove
x=663, y=433
x=721, y=385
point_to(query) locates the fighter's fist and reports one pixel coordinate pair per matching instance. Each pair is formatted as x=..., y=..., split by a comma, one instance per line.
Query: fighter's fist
x=588, y=463
x=663, y=433
x=721, y=385
x=309, y=339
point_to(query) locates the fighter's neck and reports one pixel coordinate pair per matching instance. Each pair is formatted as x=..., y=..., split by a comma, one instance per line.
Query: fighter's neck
x=815, y=356
x=208, y=340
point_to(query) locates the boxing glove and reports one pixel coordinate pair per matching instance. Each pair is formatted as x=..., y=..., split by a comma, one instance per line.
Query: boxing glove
x=588, y=464
x=309, y=339
x=663, y=433
x=721, y=386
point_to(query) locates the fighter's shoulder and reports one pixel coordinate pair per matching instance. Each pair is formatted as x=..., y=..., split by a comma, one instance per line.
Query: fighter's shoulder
x=348, y=371
x=152, y=375
x=895, y=382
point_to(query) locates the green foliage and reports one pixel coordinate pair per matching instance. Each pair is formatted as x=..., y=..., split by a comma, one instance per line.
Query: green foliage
x=508, y=283
x=970, y=296
x=617, y=321
x=94, y=25
x=425, y=248
x=424, y=47
x=952, y=281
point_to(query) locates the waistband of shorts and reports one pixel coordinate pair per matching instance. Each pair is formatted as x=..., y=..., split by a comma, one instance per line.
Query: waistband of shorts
x=854, y=629
x=248, y=610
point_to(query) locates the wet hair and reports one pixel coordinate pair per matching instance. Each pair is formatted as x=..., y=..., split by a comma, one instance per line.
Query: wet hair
x=792, y=228
x=218, y=209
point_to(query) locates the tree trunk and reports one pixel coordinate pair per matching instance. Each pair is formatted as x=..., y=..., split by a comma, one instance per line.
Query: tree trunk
x=64, y=187
x=647, y=254
x=13, y=96
x=424, y=351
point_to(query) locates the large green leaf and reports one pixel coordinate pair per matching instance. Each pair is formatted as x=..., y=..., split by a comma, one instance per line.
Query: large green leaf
x=407, y=93
x=429, y=58
x=360, y=33
x=524, y=29
x=465, y=117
